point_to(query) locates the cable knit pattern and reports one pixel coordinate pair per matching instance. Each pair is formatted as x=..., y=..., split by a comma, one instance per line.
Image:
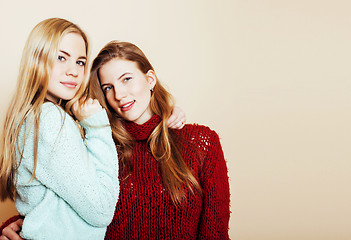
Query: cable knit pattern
x=145, y=210
x=75, y=190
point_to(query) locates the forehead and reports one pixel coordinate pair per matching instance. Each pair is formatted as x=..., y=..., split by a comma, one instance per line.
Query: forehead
x=116, y=67
x=73, y=43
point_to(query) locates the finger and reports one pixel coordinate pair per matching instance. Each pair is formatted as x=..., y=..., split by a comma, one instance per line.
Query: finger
x=174, y=118
x=182, y=117
x=171, y=121
x=95, y=101
x=179, y=122
x=19, y=223
x=90, y=101
x=179, y=125
x=16, y=225
x=10, y=233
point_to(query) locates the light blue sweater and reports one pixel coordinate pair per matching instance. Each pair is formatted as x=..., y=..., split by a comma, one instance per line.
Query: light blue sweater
x=76, y=187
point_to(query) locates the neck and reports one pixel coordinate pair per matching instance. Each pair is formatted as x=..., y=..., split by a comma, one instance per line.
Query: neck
x=142, y=131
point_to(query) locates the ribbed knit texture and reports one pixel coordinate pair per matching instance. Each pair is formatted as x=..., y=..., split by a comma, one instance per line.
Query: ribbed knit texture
x=145, y=210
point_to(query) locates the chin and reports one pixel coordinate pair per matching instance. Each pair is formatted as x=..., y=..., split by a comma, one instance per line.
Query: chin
x=68, y=98
x=130, y=118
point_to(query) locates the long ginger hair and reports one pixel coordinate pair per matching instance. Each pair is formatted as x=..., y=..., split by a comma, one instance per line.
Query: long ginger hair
x=38, y=57
x=163, y=143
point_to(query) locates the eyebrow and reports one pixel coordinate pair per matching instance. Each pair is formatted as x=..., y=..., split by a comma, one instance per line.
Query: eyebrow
x=123, y=75
x=64, y=52
x=102, y=85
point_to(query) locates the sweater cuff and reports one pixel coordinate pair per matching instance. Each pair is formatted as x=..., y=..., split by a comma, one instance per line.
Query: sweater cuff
x=9, y=221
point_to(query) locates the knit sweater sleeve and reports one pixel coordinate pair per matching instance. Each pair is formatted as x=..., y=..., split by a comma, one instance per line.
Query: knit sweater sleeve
x=215, y=214
x=83, y=173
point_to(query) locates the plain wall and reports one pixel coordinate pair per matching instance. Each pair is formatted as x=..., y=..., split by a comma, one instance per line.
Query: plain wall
x=271, y=77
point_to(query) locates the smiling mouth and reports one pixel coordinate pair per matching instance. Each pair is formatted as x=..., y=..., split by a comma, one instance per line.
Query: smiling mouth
x=69, y=84
x=127, y=106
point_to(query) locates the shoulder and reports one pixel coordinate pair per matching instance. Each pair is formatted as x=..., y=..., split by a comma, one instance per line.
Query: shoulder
x=52, y=111
x=50, y=116
x=208, y=143
x=53, y=114
x=53, y=119
x=199, y=135
x=199, y=131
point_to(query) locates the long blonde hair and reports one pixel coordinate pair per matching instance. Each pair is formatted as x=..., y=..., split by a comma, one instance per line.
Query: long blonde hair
x=38, y=57
x=162, y=142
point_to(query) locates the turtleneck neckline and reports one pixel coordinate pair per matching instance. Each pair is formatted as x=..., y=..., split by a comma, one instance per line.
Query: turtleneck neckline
x=143, y=131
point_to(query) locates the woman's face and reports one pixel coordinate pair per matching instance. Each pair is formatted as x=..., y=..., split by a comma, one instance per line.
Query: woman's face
x=127, y=89
x=67, y=73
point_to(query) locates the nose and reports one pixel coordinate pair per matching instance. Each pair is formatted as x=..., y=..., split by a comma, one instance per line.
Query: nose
x=120, y=92
x=72, y=70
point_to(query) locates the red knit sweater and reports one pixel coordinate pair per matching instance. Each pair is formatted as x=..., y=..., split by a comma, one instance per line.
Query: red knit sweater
x=144, y=209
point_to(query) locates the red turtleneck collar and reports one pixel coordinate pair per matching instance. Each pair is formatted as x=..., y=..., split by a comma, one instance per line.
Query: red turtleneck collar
x=143, y=131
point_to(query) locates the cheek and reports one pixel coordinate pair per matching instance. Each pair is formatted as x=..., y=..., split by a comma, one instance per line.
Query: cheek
x=111, y=101
x=53, y=74
x=109, y=98
x=81, y=74
x=142, y=91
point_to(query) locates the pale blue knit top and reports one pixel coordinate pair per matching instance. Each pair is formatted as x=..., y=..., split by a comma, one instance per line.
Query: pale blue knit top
x=75, y=190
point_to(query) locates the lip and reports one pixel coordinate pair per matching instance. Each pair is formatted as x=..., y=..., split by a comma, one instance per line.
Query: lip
x=127, y=106
x=69, y=84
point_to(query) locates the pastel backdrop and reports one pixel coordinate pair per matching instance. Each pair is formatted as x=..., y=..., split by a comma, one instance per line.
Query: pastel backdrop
x=271, y=77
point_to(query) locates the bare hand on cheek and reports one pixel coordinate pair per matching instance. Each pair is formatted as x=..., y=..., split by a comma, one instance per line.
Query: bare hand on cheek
x=85, y=108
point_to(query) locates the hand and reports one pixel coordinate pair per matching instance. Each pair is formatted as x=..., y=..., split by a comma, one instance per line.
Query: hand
x=177, y=119
x=86, y=109
x=10, y=232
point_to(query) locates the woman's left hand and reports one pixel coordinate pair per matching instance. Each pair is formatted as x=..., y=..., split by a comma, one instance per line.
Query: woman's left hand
x=85, y=108
x=178, y=119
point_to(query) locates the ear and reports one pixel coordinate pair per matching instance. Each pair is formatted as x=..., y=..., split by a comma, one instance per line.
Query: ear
x=151, y=78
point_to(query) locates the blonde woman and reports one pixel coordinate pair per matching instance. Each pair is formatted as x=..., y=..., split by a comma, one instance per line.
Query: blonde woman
x=64, y=185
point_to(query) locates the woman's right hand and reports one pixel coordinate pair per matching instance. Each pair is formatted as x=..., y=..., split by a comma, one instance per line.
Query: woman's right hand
x=86, y=109
x=11, y=231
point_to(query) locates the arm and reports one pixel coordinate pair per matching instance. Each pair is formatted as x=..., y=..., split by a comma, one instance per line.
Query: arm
x=84, y=176
x=215, y=214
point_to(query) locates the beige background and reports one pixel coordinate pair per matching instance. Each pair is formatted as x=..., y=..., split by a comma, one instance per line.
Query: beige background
x=271, y=77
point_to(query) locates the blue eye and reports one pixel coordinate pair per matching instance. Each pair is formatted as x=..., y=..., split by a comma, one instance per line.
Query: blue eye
x=106, y=89
x=61, y=58
x=127, y=79
x=81, y=63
